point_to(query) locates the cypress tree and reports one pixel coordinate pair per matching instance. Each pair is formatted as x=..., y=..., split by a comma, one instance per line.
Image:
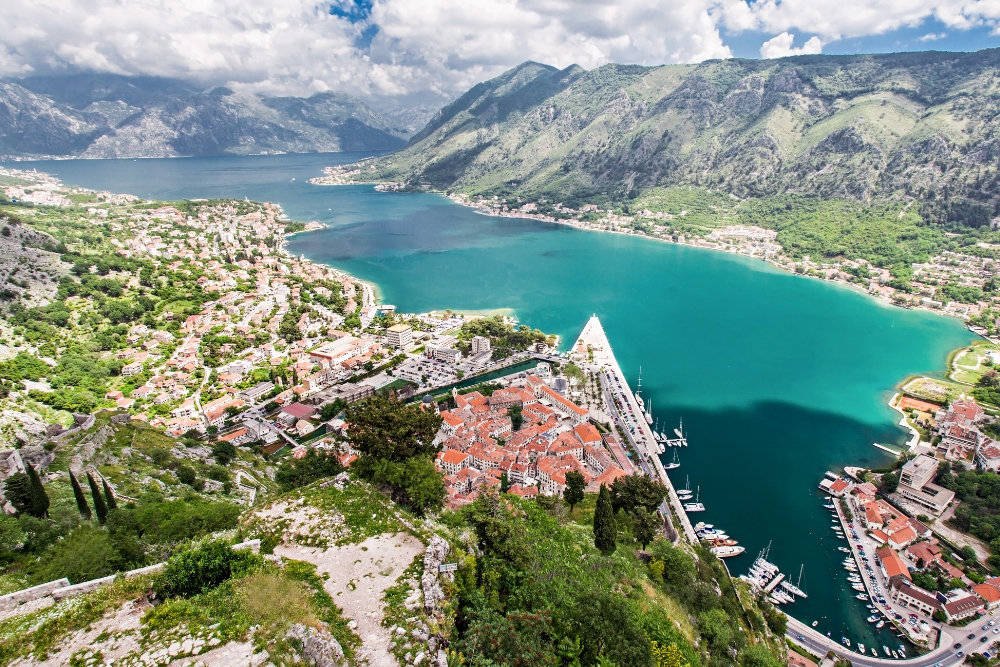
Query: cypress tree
x=81, y=500
x=604, y=523
x=39, y=499
x=109, y=495
x=99, y=505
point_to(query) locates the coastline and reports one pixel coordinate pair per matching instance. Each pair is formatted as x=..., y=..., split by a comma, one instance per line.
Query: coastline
x=337, y=179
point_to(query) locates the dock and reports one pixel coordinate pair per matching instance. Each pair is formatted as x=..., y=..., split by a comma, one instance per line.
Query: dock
x=774, y=582
x=625, y=412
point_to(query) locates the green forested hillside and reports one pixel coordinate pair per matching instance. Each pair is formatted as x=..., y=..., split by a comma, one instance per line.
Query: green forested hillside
x=865, y=127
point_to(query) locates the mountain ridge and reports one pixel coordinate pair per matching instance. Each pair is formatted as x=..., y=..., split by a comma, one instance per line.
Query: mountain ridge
x=112, y=116
x=865, y=127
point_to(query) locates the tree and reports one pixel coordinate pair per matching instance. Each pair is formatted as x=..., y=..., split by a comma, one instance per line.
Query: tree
x=504, y=482
x=100, y=507
x=223, y=452
x=330, y=410
x=516, y=418
x=81, y=500
x=573, y=493
x=940, y=616
x=644, y=525
x=39, y=499
x=633, y=491
x=890, y=482
x=385, y=428
x=604, y=523
x=17, y=489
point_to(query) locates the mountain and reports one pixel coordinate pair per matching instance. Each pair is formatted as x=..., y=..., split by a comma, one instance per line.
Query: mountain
x=860, y=127
x=110, y=116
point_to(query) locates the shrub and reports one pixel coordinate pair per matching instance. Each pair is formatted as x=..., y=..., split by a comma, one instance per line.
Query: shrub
x=192, y=572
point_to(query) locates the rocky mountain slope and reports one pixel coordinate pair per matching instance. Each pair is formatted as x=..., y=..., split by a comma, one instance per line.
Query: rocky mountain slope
x=109, y=116
x=860, y=127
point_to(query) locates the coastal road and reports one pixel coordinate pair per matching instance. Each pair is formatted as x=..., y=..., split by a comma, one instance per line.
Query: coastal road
x=820, y=645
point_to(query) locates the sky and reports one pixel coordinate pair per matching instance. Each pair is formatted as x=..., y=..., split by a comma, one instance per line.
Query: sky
x=398, y=50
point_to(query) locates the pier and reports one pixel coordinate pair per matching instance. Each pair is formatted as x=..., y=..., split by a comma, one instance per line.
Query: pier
x=625, y=412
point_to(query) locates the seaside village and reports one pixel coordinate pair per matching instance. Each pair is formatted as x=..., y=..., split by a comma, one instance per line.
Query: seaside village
x=890, y=544
x=277, y=347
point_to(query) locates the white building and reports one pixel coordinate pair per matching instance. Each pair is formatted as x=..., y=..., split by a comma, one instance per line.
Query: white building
x=399, y=336
x=480, y=344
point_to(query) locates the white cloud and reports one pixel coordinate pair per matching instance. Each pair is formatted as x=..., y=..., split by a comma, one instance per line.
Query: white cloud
x=781, y=46
x=839, y=19
x=932, y=37
x=390, y=48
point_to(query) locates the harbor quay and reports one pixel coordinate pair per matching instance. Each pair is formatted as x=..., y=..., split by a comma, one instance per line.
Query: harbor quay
x=622, y=406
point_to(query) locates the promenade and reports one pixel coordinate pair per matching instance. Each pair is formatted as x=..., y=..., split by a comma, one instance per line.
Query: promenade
x=625, y=411
x=819, y=645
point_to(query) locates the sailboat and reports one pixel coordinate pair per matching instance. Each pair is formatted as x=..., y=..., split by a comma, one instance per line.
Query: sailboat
x=679, y=431
x=685, y=493
x=795, y=589
x=649, y=416
x=695, y=506
x=673, y=464
x=638, y=390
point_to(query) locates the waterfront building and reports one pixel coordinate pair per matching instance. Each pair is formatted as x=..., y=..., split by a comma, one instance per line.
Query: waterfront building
x=907, y=595
x=399, y=336
x=924, y=551
x=915, y=484
x=959, y=604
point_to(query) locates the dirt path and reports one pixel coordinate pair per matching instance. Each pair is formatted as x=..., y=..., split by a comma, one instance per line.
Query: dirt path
x=359, y=576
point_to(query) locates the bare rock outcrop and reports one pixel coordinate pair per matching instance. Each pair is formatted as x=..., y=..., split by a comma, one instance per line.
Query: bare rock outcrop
x=319, y=647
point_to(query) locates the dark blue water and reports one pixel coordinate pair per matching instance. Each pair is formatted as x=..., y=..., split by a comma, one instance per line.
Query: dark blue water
x=778, y=378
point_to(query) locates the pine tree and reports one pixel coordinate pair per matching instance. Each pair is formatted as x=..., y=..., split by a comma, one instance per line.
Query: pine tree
x=39, y=499
x=109, y=495
x=604, y=523
x=81, y=500
x=100, y=507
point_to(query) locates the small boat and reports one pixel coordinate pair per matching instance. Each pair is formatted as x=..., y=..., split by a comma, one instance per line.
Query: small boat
x=830, y=506
x=861, y=596
x=815, y=623
x=861, y=647
x=695, y=506
x=887, y=651
x=874, y=652
x=872, y=618
x=844, y=549
x=895, y=655
x=724, y=543
x=880, y=625
x=858, y=587
x=845, y=641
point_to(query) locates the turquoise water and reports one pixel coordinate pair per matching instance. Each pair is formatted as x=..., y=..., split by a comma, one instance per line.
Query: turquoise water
x=778, y=378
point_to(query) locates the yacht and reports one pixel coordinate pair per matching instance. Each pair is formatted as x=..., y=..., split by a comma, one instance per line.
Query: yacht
x=795, y=589
x=858, y=587
x=727, y=552
x=846, y=641
x=687, y=486
x=861, y=596
x=649, y=409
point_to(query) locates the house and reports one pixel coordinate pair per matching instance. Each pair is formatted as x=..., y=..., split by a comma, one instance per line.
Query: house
x=960, y=603
x=892, y=565
x=873, y=518
x=900, y=539
x=924, y=551
x=451, y=461
x=988, y=457
x=989, y=594
x=240, y=436
x=293, y=412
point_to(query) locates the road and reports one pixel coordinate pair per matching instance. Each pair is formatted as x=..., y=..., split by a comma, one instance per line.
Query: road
x=820, y=645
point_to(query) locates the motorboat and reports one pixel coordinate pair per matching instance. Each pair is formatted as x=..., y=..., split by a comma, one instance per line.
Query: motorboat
x=880, y=625
x=815, y=623
x=727, y=551
x=858, y=587
x=895, y=655
x=845, y=641
x=861, y=647
x=874, y=652
x=861, y=596
x=724, y=543
x=873, y=618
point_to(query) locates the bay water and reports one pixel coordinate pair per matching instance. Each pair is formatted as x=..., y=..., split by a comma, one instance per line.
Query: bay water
x=777, y=377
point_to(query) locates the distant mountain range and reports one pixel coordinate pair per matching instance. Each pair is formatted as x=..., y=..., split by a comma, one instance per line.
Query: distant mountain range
x=863, y=127
x=110, y=116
